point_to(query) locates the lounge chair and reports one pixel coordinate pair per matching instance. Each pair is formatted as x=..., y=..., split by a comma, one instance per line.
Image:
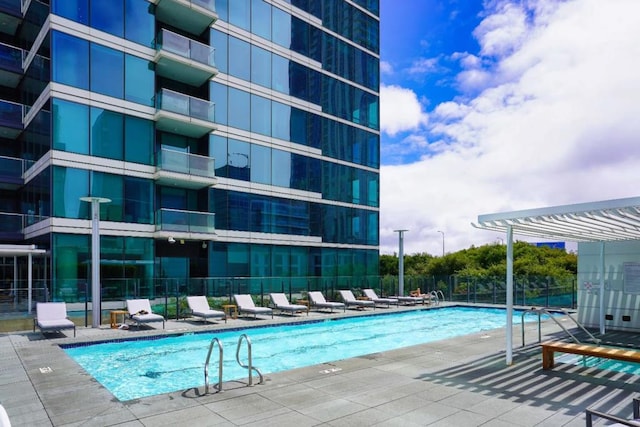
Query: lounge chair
x=411, y=300
x=281, y=302
x=200, y=308
x=371, y=294
x=52, y=317
x=246, y=305
x=316, y=299
x=140, y=311
x=426, y=298
x=350, y=300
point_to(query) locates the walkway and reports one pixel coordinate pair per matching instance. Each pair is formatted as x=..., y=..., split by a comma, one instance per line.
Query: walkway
x=456, y=382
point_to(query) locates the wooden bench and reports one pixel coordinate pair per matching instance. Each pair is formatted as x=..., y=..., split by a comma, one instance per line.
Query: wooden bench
x=549, y=348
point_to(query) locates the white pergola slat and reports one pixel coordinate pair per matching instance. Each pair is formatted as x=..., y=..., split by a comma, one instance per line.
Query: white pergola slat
x=603, y=221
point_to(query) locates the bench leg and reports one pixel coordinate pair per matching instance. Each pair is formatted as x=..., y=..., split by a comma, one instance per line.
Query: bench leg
x=547, y=358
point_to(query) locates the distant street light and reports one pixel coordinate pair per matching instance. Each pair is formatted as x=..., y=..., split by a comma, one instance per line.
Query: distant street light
x=400, y=261
x=442, y=232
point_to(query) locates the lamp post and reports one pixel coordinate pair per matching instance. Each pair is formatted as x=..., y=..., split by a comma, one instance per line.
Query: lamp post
x=400, y=261
x=96, y=302
x=442, y=232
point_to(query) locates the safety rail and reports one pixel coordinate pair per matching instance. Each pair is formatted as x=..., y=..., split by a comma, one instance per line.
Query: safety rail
x=540, y=311
x=592, y=413
x=206, y=366
x=249, y=366
x=435, y=296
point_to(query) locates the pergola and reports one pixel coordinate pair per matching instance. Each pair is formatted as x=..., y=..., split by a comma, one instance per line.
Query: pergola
x=603, y=221
x=18, y=251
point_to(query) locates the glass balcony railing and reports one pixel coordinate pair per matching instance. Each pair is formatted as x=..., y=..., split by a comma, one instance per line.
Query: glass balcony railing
x=11, y=6
x=11, y=114
x=11, y=58
x=15, y=223
x=185, y=47
x=11, y=222
x=181, y=221
x=186, y=105
x=192, y=164
x=11, y=167
x=207, y=4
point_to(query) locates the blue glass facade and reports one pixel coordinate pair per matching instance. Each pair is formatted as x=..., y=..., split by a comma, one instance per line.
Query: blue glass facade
x=239, y=139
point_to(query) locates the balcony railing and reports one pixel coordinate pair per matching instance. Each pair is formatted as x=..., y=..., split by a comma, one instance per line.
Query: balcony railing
x=11, y=58
x=185, y=47
x=207, y=4
x=192, y=16
x=12, y=6
x=15, y=223
x=191, y=164
x=11, y=114
x=11, y=167
x=185, y=105
x=181, y=221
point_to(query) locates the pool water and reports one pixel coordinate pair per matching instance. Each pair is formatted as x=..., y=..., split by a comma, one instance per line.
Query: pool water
x=140, y=368
x=599, y=363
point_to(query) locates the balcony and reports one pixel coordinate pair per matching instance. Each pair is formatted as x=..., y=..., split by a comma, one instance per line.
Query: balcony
x=10, y=16
x=12, y=225
x=185, y=225
x=182, y=59
x=183, y=114
x=185, y=170
x=11, y=170
x=10, y=119
x=193, y=16
x=10, y=65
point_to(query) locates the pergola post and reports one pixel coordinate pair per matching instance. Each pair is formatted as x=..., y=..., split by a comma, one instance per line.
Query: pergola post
x=509, y=343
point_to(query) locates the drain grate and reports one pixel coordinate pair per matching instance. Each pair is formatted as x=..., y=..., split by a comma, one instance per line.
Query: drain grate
x=46, y=370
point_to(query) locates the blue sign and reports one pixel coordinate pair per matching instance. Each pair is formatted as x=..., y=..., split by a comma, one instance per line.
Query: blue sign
x=552, y=245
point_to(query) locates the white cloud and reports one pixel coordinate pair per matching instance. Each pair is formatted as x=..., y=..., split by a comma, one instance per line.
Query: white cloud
x=558, y=123
x=400, y=110
x=502, y=30
x=423, y=66
x=386, y=68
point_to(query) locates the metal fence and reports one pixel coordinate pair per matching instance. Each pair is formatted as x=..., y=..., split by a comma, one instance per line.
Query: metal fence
x=168, y=295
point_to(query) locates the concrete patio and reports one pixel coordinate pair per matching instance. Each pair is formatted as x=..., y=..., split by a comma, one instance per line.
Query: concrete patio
x=462, y=381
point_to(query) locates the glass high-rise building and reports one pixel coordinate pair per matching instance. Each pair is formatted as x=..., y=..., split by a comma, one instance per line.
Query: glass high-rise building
x=235, y=139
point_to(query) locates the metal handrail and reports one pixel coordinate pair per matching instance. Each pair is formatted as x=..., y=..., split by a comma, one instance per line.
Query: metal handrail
x=435, y=296
x=249, y=366
x=540, y=311
x=621, y=421
x=206, y=366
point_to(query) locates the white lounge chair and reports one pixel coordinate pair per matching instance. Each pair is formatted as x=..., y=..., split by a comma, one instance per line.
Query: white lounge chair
x=245, y=305
x=371, y=294
x=350, y=300
x=140, y=311
x=281, y=302
x=52, y=317
x=200, y=308
x=316, y=299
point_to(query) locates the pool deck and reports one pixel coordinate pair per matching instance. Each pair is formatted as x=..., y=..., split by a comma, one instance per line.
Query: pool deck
x=457, y=382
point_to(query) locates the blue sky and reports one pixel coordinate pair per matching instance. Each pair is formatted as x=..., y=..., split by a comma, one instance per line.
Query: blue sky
x=500, y=105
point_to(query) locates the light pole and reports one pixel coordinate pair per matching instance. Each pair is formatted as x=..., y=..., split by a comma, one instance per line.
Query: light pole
x=96, y=302
x=442, y=232
x=400, y=261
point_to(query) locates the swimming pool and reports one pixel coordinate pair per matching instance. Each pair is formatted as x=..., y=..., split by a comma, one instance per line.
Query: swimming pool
x=599, y=363
x=141, y=368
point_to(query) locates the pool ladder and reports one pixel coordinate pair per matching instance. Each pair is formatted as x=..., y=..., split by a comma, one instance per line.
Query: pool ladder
x=435, y=296
x=540, y=311
x=249, y=366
